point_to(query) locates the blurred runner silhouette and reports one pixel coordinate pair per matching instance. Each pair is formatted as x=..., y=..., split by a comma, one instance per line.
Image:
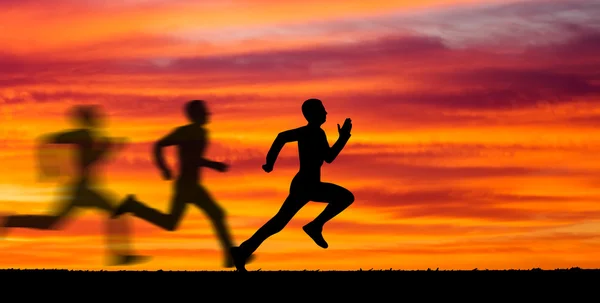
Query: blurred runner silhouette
x=91, y=150
x=306, y=186
x=191, y=141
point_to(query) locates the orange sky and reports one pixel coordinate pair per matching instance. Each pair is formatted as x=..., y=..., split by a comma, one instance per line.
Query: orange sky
x=474, y=141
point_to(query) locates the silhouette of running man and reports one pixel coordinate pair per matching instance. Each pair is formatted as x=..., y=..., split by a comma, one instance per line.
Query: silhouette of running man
x=191, y=141
x=306, y=186
x=91, y=150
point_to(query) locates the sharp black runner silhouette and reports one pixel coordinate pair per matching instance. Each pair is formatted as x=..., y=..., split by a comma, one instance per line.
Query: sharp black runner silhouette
x=191, y=141
x=91, y=150
x=306, y=186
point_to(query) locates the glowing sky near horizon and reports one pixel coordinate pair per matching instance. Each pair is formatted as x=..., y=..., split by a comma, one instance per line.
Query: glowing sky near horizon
x=474, y=145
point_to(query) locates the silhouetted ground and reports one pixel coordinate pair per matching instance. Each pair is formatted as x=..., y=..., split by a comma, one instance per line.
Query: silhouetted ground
x=366, y=286
x=573, y=269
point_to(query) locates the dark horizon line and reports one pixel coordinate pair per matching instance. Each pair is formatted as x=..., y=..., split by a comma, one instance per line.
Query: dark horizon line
x=307, y=270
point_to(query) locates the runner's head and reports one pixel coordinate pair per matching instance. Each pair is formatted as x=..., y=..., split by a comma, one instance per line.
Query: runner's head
x=87, y=115
x=196, y=112
x=314, y=111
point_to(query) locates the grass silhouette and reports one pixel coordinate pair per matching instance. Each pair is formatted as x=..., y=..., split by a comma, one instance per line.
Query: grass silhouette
x=572, y=269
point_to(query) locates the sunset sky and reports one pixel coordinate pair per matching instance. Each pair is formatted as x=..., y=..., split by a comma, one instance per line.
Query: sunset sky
x=475, y=141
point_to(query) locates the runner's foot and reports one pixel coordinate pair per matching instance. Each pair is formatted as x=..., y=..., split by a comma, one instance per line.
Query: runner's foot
x=124, y=207
x=239, y=257
x=229, y=262
x=117, y=260
x=315, y=233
